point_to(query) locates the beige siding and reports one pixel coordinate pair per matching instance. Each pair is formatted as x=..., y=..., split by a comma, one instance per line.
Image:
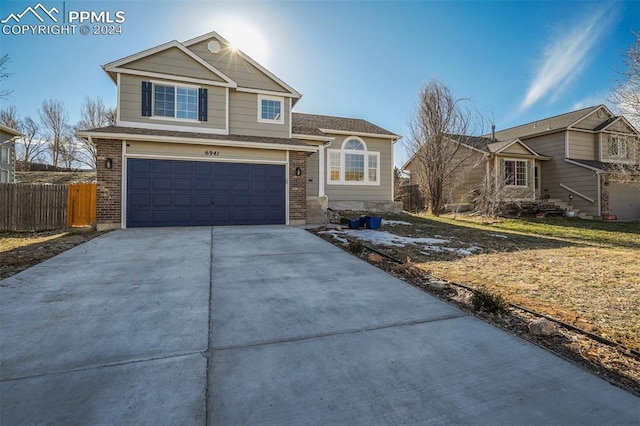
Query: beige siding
x=621, y=127
x=173, y=61
x=204, y=152
x=459, y=188
x=584, y=181
x=516, y=148
x=131, y=105
x=243, y=117
x=583, y=146
x=236, y=68
x=380, y=192
x=312, y=175
x=592, y=121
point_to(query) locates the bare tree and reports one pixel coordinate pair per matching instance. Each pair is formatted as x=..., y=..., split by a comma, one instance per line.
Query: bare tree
x=489, y=196
x=55, y=122
x=440, y=124
x=31, y=147
x=94, y=114
x=9, y=117
x=4, y=74
x=69, y=152
x=626, y=95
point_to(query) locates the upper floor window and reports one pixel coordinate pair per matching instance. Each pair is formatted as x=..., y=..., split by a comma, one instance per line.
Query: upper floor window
x=515, y=173
x=4, y=176
x=174, y=101
x=353, y=164
x=4, y=155
x=270, y=109
x=617, y=147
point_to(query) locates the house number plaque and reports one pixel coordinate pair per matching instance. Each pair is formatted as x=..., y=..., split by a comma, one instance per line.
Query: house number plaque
x=209, y=153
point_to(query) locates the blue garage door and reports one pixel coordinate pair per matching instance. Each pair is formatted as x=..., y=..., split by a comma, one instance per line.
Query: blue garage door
x=191, y=193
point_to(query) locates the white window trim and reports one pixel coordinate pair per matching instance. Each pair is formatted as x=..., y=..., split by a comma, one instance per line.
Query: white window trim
x=527, y=178
x=342, y=153
x=270, y=98
x=5, y=155
x=175, y=102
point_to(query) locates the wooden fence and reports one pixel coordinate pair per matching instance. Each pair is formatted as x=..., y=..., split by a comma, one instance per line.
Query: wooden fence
x=411, y=198
x=31, y=207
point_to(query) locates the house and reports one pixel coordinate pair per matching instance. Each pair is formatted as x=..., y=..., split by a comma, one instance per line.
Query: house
x=568, y=159
x=207, y=136
x=8, y=153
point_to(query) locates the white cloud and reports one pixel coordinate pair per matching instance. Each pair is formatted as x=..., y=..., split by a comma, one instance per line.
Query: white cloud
x=564, y=57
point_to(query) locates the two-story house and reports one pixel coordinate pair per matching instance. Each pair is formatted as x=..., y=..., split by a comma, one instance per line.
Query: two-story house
x=7, y=153
x=568, y=157
x=207, y=136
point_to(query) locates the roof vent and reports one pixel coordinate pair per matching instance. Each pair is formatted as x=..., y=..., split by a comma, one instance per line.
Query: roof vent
x=213, y=46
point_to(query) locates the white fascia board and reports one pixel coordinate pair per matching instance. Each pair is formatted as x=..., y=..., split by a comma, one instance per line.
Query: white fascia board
x=312, y=138
x=197, y=141
x=161, y=126
x=266, y=92
x=371, y=135
x=171, y=77
x=11, y=131
x=119, y=63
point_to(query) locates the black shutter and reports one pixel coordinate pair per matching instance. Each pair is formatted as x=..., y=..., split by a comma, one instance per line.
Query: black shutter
x=146, y=98
x=202, y=104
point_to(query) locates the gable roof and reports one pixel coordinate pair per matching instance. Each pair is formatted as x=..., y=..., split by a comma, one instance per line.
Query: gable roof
x=319, y=125
x=114, y=66
x=555, y=123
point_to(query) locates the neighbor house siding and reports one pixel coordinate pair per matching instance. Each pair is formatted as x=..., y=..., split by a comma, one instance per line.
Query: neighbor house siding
x=235, y=67
x=583, y=145
x=552, y=145
x=382, y=192
x=516, y=148
x=8, y=166
x=458, y=189
x=592, y=121
x=584, y=181
x=131, y=105
x=243, y=117
x=173, y=61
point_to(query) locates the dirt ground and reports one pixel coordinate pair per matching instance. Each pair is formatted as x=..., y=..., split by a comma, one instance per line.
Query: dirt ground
x=586, y=278
x=21, y=250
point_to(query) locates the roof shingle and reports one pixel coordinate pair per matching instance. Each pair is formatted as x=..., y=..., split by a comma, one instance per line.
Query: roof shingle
x=310, y=124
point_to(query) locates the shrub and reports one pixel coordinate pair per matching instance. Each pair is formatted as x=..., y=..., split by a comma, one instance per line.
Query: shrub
x=485, y=301
x=356, y=247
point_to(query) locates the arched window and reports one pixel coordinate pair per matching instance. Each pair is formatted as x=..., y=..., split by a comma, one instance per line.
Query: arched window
x=353, y=164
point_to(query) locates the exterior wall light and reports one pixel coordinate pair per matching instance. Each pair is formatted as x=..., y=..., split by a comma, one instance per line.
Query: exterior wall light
x=298, y=171
x=108, y=163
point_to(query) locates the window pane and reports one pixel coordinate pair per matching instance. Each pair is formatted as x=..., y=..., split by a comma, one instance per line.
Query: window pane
x=354, y=167
x=509, y=173
x=354, y=144
x=187, y=103
x=334, y=166
x=5, y=155
x=373, y=168
x=270, y=109
x=164, y=101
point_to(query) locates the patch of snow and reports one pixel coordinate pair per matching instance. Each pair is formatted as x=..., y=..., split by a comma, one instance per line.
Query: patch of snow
x=498, y=235
x=460, y=251
x=395, y=222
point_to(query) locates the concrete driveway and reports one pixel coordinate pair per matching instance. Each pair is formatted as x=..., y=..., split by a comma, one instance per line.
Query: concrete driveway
x=264, y=325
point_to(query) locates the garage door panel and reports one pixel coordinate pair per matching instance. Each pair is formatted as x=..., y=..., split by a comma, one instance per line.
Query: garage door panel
x=183, y=193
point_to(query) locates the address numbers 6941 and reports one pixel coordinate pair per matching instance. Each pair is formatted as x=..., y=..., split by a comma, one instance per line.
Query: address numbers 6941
x=212, y=153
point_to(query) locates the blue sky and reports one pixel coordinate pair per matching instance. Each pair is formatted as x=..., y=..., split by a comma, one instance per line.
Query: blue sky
x=517, y=61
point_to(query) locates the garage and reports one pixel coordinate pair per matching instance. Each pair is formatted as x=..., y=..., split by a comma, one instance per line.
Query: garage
x=624, y=201
x=195, y=193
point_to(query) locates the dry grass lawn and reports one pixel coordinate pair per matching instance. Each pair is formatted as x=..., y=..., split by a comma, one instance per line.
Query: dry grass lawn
x=582, y=272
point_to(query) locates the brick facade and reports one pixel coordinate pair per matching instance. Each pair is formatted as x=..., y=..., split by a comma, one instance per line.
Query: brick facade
x=297, y=188
x=109, y=188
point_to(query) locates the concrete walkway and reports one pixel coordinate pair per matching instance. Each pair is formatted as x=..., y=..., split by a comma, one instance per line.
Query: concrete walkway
x=264, y=325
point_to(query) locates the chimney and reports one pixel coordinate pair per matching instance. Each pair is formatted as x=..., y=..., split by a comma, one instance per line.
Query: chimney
x=493, y=132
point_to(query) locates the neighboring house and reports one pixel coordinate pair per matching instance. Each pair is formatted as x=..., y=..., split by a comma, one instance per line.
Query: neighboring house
x=206, y=136
x=8, y=153
x=567, y=157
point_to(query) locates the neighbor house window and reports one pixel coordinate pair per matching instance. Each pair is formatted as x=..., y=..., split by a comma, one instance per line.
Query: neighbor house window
x=175, y=101
x=4, y=157
x=4, y=176
x=515, y=172
x=617, y=147
x=270, y=109
x=353, y=164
